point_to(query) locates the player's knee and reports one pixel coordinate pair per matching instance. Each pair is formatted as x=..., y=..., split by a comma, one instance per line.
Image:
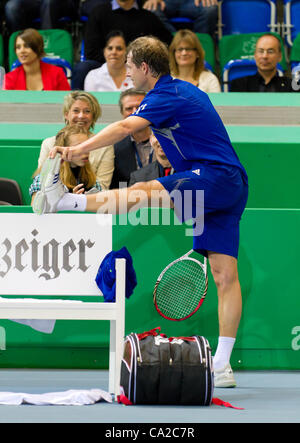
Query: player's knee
x=224, y=277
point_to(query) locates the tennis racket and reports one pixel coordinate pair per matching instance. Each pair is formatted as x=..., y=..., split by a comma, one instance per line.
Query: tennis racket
x=181, y=288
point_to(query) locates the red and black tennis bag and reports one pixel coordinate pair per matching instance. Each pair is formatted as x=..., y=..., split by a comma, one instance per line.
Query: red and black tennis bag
x=156, y=369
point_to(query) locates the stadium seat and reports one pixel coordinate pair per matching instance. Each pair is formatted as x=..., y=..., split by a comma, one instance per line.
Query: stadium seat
x=291, y=25
x=247, y=16
x=209, y=48
x=240, y=68
x=295, y=52
x=241, y=47
x=10, y=191
x=57, y=44
x=208, y=66
x=181, y=22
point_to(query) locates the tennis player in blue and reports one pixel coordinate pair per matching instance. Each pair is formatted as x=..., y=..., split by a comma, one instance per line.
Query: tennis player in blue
x=209, y=178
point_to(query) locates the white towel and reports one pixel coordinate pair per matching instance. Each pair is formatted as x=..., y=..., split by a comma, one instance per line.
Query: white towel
x=73, y=397
x=45, y=326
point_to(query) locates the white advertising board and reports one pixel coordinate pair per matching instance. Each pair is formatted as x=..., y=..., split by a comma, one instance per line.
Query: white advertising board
x=52, y=254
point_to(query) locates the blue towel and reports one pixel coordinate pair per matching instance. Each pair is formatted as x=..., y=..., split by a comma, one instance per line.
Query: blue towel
x=106, y=275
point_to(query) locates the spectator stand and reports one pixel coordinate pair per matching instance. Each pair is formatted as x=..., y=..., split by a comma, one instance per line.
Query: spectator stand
x=291, y=24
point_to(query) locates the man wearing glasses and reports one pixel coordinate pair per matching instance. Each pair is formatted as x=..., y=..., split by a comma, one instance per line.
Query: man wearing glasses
x=267, y=55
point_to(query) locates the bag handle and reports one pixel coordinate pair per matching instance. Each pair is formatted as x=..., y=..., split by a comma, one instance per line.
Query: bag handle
x=181, y=338
x=152, y=332
x=156, y=331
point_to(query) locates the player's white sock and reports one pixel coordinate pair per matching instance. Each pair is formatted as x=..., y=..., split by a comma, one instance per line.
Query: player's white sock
x=223, y=352
x=72, y=202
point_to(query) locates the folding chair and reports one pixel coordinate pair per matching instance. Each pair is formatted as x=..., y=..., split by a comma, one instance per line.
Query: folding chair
x=246, y=16
x=291, y=25
x=240, y=68
x=209, y=49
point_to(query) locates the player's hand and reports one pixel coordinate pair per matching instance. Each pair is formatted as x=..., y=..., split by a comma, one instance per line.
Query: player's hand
x=152, y=5
x=206, y=3
x=79, y=189
x=68, y=153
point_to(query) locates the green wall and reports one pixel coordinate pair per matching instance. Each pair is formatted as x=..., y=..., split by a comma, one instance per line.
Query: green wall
x=270, y=155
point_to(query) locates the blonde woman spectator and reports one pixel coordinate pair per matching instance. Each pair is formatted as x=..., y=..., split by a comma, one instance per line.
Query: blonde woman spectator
x=111, y=76
x=82, y=109
x=187, y=62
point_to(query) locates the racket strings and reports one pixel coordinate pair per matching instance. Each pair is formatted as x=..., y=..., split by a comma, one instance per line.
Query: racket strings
x=181, y=289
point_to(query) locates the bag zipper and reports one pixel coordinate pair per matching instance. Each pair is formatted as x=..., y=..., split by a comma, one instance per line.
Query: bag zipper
x=139, y=357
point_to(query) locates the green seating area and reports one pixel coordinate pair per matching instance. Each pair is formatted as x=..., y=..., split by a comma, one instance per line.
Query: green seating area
x=61, y=44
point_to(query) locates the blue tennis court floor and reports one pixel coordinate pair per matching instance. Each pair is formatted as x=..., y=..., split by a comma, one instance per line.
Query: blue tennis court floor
x=266, y=396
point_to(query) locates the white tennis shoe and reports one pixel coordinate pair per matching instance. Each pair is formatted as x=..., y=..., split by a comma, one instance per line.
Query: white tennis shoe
x=223, y=378
x=52, y=189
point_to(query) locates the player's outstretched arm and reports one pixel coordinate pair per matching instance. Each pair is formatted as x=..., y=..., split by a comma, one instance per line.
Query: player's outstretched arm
x=110, y=135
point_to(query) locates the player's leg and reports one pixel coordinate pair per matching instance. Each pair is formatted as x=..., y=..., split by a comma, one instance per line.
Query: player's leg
x=54, y=197
x=123, y=200
x=225, y=274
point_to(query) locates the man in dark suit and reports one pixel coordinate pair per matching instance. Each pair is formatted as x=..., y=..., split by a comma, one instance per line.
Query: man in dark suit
x=267, y=55
x=134, y=151
x=159, y=168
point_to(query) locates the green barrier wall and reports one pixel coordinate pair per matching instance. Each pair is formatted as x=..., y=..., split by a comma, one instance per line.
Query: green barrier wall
x=269, y=333
x=270, y=155
x=218, y=99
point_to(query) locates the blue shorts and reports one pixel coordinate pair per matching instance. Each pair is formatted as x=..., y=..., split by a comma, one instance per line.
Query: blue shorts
x=214, y=197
